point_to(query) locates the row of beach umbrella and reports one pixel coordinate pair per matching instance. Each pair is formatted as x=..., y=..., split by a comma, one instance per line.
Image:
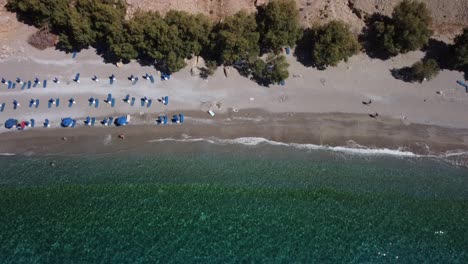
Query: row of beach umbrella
x=28, y=84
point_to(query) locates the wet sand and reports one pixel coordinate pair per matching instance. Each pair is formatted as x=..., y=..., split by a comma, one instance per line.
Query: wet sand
x=347, y=130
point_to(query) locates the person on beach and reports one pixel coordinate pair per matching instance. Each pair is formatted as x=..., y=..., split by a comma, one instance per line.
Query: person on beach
x=367, y=103
x=374, y=115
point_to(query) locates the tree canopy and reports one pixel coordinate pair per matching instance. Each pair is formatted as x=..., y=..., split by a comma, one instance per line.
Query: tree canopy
x=278, y=23
x=237, y=38
x=332, y=43
x=460, y=48
x=273, y=70
x=407, y=30
x=424, y=70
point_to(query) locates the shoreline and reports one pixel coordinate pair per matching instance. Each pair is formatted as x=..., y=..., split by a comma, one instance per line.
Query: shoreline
x=337, y=131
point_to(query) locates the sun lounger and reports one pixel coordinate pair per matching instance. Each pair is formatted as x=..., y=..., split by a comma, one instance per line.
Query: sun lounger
x=24, y=86
x=113, y=102
x=133, y=101
x=463, y=84
x=44, y=84
x=109, y=98
x=127, y=99
x=33, y=122
x=282, y=83
x=10, y=84
x=181, y=117
x=57, y=102
x=2, y=107
x=165, y=120
x=74, y=54
x=35, y=85
x=87, y=121
x=105, y=122
x=288, y=50
x=51, y=102
x=149, y=103
x=37, y=103
x=13, y=85
x=93, y=121
x=46, y=123
x=15, y=104
x=3, y=80
x=71, y=102
x=166, y=100
x=73, y=124
x=146, y=76
x=96, y=105
x=18, y=80
x=151, y=78
x=29, y=84
x=211, y=113
x=77, y=78
x=32, y=102
x=111, y=79
x=111, y=120
x=135, y=80
x=175, y=119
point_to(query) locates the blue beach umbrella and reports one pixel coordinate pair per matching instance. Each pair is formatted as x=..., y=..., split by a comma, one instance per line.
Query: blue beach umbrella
x=67, y=122
x=10, y=123
x=121, y=121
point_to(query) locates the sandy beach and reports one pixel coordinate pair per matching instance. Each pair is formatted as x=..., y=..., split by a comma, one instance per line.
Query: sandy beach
x=317, y=107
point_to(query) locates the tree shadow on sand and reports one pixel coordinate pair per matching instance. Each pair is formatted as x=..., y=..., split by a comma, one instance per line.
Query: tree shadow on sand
x=303, y=49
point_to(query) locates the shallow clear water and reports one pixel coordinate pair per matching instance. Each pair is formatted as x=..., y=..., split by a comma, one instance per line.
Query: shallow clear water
x=201, y=202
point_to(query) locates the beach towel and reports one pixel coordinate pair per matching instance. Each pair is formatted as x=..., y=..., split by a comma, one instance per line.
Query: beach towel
x=10, y=84
x=57, y=102
x=37, y=103
x=149, y=103
x=44, y=84
x=32, y=122
x=93, y=121
x=113, y=102
x=133, y=101
x=2, y=107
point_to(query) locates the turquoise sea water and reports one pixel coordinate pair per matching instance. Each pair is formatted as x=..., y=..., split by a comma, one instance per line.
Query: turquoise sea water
x=200, y=202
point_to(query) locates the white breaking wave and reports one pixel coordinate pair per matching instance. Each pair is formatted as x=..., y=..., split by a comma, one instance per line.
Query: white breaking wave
x=7, y=154
x=254, y=141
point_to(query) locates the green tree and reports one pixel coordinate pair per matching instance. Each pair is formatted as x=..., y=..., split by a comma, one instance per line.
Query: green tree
x=39, y=13
x=278, y=23
x=332, y=43
x=460, y=50
x=407, y=30
x=424, y=70
x=236, y=39
x=273, y=70
x=194, y=31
